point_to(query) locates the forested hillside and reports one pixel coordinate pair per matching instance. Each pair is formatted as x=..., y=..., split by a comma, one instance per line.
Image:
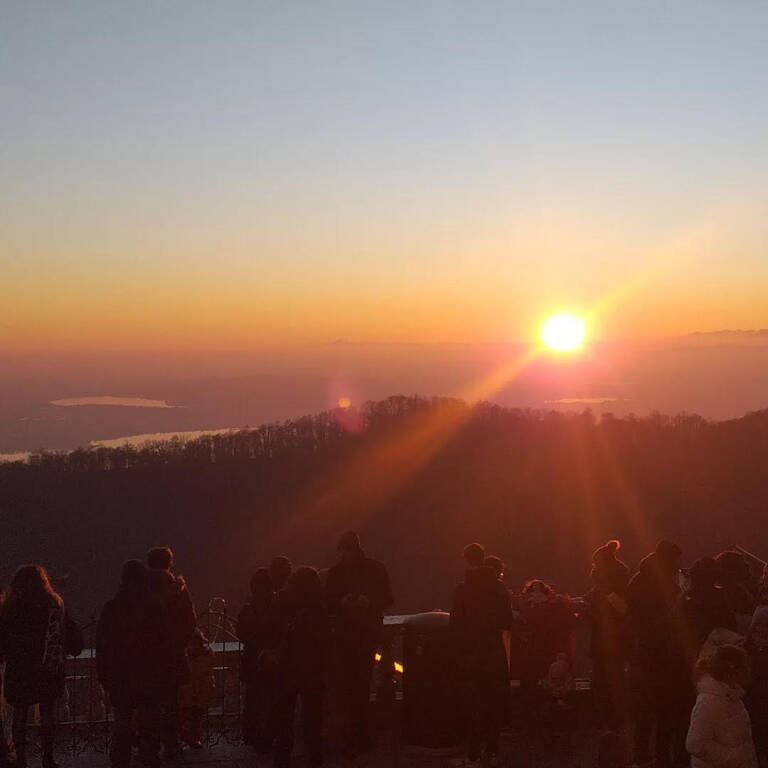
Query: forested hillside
x=417, y=477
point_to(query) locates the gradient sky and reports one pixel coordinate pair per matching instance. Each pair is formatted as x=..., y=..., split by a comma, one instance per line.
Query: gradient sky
x=188, y=174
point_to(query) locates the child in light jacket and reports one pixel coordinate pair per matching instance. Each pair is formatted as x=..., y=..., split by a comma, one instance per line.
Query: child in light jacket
x=720, y=734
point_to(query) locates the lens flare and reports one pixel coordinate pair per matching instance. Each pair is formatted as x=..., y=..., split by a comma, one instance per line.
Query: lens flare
x=563, y=333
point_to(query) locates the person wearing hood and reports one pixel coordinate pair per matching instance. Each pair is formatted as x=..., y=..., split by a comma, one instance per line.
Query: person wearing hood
x=655, y=668
x=357, y=591
x=135, y=664
x=172, y=589
x=720, y=732
x=481, y=611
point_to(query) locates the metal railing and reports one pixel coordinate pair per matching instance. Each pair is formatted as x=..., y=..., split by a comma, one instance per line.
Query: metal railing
x=84, y=713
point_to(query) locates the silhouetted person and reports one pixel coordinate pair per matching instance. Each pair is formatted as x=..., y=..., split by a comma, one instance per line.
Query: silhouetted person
x=299, y=639
x=550, y=622
x=739, y=587
x=654, y=604
x=496, y=564
x=5, y=753
x=35, y=636
x=705, y=607
x=135, y=661
x=183, y=623
x=480, y=612
x=253, y=631
x=608, y=611
x=280, y=570
x=608, y=650
x=756, y=699
x=357, y=591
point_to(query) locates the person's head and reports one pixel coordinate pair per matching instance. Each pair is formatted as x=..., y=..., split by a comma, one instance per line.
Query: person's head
x=606, y=554
x=261, y=582
x=703, y=575
x=305, y=584
x=608, y=572
x=496, y=564
x=733, y=568
x=279, y=572
x=31, y=587
x=134, y=575
x=729, y=664
x=537, y=591
x=474, y=555
x=669, y=558
x=349, y=548
x=160, y=558
x=162, y=584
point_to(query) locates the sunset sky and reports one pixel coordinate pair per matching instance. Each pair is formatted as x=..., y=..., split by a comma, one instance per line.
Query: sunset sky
x=184, y=175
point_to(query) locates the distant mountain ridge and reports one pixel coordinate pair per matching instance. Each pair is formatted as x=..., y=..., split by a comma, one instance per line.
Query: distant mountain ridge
x=418, y=477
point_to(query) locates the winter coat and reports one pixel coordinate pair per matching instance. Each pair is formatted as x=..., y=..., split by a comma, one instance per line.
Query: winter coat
x=182, y=621
x=609, y=615
x=198, y=692
x=360, y=577
x=253, y=631
x=34, y=641
x=136, y=657
x=480, y=612
x=299, y=639
x=720, y=734
x=654, y=614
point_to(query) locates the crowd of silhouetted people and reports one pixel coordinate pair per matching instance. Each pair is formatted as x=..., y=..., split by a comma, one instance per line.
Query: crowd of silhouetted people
x=679, y=658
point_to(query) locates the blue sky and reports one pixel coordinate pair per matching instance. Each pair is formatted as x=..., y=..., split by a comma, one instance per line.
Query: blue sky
x=424, y=158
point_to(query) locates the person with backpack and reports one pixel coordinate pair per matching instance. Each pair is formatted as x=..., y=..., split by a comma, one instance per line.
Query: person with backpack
x=481, y=611
x=36, y=635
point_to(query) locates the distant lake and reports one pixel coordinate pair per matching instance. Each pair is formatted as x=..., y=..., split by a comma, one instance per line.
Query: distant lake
x=139, y=440
x=130, y=402
x=134, y=441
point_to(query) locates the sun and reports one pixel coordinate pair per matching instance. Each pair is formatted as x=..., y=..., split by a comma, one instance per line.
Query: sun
x=563, y=333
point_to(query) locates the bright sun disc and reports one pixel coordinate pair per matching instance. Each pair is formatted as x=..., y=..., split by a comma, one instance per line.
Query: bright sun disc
x=563, y=333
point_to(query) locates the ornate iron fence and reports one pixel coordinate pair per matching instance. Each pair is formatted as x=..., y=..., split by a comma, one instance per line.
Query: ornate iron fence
x=84, y=715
